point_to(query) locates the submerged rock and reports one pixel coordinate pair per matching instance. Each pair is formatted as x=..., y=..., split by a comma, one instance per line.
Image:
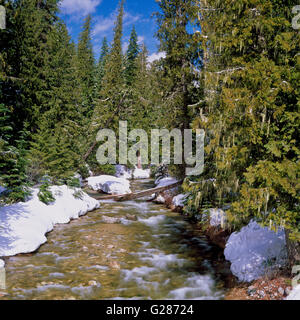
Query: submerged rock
x=110, y=220
x=131, y=217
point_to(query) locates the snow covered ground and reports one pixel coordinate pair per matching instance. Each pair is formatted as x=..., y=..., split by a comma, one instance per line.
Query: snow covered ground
x=178, y=201
x=123, y=172
x=217, y=217
x=25, y=224
x=141, y=174
x=255, y=250
x=109, y=184
x=2, y=189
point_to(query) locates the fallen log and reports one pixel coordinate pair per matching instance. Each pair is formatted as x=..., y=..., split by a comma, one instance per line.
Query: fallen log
x=137, y=195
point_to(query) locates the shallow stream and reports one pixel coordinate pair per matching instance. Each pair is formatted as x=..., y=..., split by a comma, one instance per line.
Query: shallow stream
x=159, y=256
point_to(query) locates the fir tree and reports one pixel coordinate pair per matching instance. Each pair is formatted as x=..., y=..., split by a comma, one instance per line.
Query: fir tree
x=131, y=58
x=101, y=65
x=86, y=67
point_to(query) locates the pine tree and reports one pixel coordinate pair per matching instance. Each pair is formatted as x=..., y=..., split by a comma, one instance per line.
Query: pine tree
x=34, y=23
x=110, y=105
x=64, y=115
x=101, y=65
x=181, y=65
x=131, y=58
x=86, y=67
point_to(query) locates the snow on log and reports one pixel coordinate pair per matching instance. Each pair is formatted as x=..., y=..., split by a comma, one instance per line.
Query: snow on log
x=165, y=182
x=24, y=224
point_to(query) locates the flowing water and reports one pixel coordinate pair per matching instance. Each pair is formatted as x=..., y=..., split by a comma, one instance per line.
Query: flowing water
x=159, y=256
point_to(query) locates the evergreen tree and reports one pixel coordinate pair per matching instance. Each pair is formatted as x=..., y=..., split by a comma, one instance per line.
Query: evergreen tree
x=251, y=110
x=181, y=65
x=64, y=115
x=131, y=58
x=86, y=67
x=101, y=65
x=110, y=105
x=33, y=25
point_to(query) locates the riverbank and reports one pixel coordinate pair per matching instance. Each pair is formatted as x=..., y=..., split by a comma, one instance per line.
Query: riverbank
x=105, y=255
x=110, y=255
x=253, y=280
x=24, y=225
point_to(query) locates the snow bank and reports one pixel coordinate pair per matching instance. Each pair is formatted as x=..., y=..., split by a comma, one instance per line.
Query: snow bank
x=109, y=184
x=178, y=201
x=2, y=264
x=123, y=172
x=2, y=189
x=217, y=217
x=24, y=224
x=295, y=294
x=255, y=250
x=165, y=182
x=141, y=174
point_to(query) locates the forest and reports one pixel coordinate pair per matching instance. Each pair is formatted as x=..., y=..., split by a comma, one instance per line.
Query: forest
x=231, y=68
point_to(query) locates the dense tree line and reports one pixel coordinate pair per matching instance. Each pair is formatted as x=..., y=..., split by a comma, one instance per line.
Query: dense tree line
x=55, y=97
x=231, y=68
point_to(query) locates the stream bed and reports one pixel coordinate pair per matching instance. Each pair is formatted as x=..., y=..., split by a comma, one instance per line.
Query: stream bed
x=158, y=256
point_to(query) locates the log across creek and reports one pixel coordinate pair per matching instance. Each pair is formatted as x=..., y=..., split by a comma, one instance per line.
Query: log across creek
x=133, y=195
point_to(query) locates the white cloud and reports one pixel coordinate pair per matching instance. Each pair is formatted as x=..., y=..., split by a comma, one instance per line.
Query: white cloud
x=125, y=47
x=105, y=25
x=141, y=39
x=156, y=56
x=82, y=7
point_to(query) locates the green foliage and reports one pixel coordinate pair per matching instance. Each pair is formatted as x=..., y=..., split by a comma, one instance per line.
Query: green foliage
x=250, y=111
x=45, y=195
x=85, y=68
x=73, y=183
x=131, y=58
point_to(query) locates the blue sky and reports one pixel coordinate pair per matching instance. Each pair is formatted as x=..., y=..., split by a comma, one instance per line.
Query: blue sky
x=137, y=13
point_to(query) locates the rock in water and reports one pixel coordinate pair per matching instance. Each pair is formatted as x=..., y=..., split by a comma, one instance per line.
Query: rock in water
x=110, y=220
